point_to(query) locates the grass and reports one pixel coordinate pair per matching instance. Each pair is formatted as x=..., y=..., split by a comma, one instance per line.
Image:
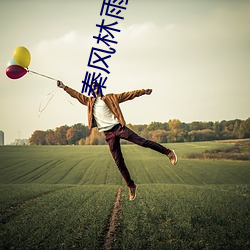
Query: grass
x=58, y=165
x=61, y=197
x=65, y=218
x=187, y=217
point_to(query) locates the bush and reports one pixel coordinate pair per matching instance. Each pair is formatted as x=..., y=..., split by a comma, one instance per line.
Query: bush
x=240, y=151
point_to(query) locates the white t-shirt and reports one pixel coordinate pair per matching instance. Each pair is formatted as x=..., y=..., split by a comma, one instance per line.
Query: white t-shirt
x=105, y=119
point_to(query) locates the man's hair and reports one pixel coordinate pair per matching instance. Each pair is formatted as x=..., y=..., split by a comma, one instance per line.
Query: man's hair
x=95, y=83
x=97, y=86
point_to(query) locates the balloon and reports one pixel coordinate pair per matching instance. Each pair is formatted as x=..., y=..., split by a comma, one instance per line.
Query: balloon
x=11, y=62
x=22, y=56
x=15, y=71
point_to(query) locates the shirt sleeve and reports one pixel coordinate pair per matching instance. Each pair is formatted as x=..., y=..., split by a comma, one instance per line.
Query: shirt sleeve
x=80, y=97
x=126, y=96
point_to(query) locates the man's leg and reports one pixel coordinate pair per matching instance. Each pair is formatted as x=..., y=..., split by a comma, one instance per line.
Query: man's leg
x=115, y=149
x=129, y=135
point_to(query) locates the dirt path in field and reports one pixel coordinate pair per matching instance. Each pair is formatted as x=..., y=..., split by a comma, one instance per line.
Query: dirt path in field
x=112, y=230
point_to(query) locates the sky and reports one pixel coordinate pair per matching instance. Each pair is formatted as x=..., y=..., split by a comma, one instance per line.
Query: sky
x=194, y=54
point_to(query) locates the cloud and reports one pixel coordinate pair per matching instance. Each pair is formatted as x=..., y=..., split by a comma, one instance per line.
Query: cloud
x=137, y=31
x=56, y=56
x=71, y=40
x=68, y=38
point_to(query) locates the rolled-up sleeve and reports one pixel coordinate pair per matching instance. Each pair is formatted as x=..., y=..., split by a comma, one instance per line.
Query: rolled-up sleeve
x=130, y=95
x=80, y=97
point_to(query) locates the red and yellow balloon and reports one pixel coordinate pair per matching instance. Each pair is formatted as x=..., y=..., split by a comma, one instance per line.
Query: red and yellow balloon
x=17, y=66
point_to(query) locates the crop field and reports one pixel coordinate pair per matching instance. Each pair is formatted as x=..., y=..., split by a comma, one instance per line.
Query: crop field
x=73, y=197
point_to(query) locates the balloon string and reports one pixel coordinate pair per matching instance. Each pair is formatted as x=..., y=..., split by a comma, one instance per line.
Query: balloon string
x=71, y=103
x=31, y=71
x=50, y=96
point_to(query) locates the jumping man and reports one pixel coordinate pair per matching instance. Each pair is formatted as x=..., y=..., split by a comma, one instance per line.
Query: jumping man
x=105, y=114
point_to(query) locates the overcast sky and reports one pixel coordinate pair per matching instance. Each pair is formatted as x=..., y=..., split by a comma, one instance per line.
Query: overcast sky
x=194, y=54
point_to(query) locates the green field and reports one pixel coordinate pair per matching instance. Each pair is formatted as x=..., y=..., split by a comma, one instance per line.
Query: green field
x=62, y=197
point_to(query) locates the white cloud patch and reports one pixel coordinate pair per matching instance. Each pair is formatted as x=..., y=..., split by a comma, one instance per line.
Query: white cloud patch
x=138, y=31
x=71, y=50
x=69, y=38
x=72, y=40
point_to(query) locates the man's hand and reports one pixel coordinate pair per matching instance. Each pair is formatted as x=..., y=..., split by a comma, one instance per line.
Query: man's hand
x=148, y=91
x=60, y=84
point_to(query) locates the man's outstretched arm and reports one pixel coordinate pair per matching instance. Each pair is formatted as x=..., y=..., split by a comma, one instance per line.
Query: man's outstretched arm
x=80, y=97
x=132, y=94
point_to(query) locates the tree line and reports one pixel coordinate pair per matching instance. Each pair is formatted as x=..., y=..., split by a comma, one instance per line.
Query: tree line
x=172, y=131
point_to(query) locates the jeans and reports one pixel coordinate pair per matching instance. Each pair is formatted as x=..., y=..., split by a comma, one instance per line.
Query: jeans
x=113, y=137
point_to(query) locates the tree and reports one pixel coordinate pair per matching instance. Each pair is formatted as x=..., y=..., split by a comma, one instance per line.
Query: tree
x=159, y=135
x=217, y=129
x=236, y=128
x=185, y=130
x=70, y=136
x=60, y=134
x=245, y=129
x=202, y=135
x=76, y=133
x=196, y=126
x=145, y=133
x=82, y=142
x=50, y=137
x=38, y=138
x=96, y=137
x=157, y=125
x=175, y=133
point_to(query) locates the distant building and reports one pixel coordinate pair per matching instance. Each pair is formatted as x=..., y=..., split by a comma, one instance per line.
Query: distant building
x=1, y=138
